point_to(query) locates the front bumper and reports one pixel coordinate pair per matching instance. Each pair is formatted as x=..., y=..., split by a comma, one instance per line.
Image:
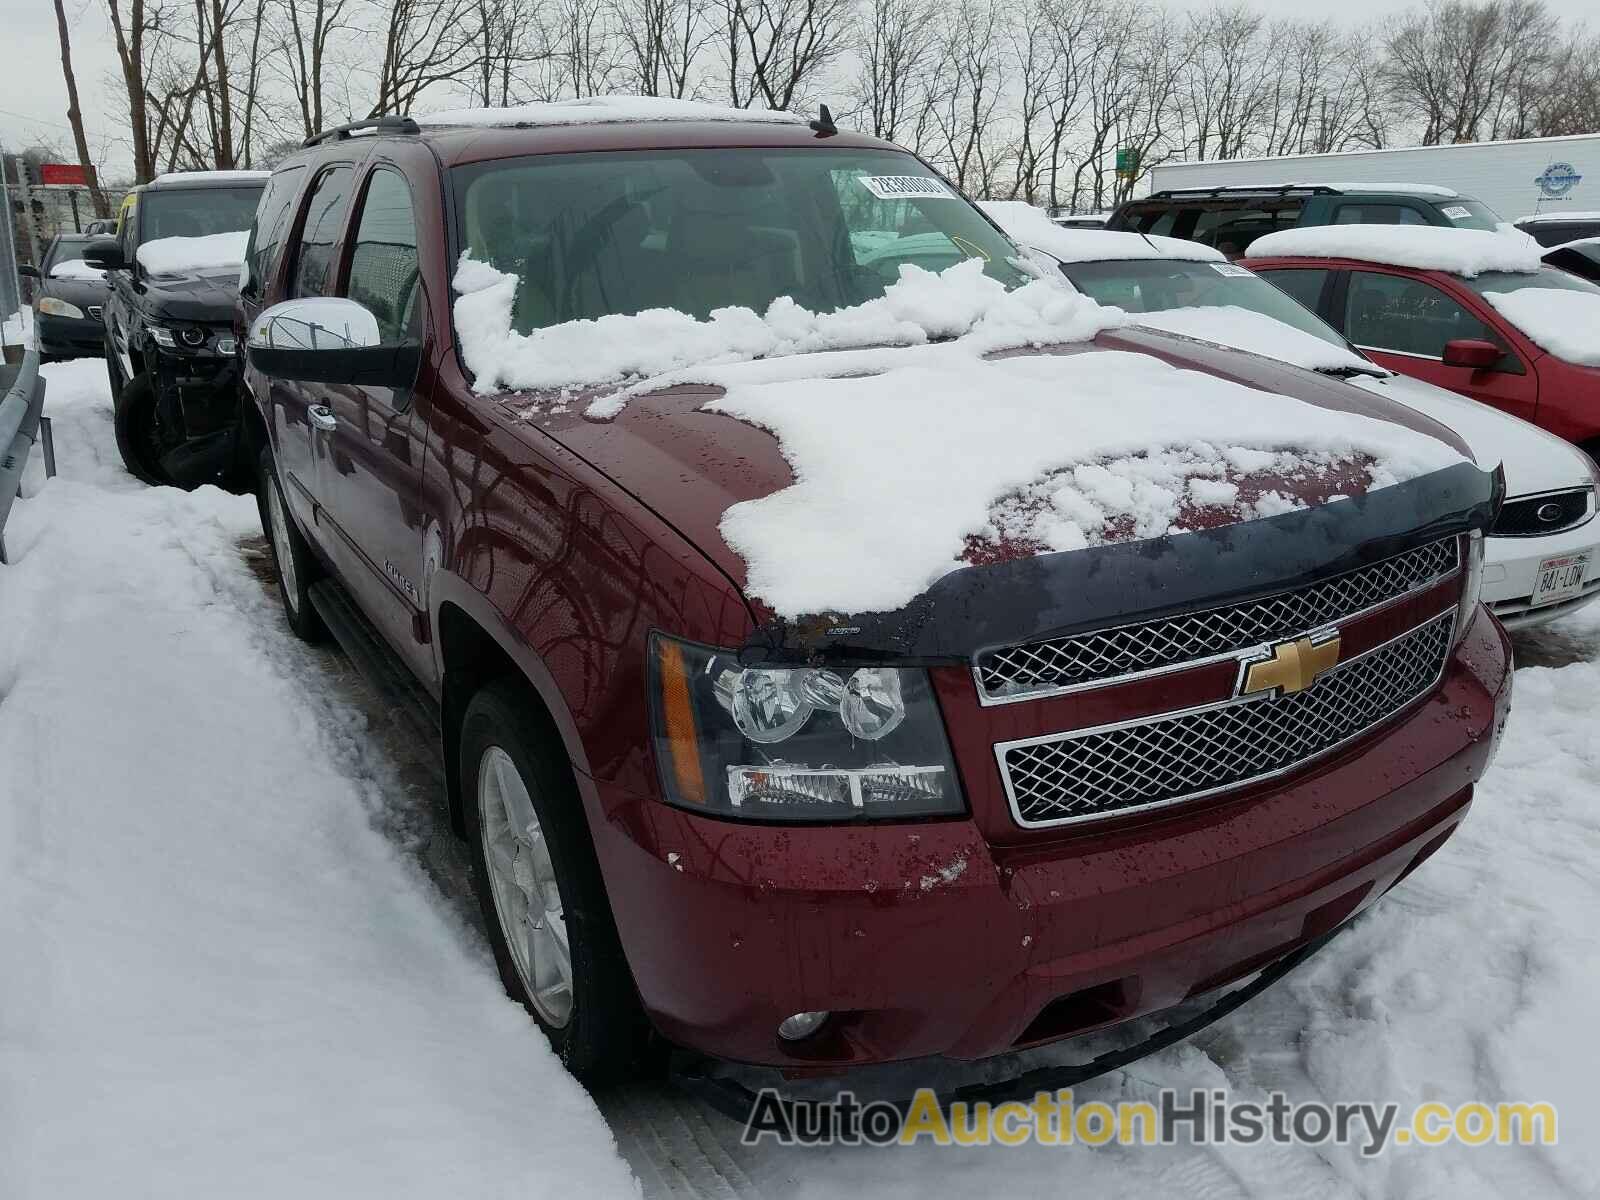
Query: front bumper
x=1511, y=564
x=939, y=939
x=69, y=337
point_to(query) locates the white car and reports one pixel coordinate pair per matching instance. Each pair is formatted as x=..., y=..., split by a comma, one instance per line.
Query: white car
x=1541, y=559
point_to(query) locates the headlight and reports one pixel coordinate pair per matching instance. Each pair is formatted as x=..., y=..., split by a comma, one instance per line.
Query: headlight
x=162, y=337
x=50, y=306
x=797, y=743
x=1471, y=585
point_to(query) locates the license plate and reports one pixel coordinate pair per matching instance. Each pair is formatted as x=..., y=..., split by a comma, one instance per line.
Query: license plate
x=1559, y=579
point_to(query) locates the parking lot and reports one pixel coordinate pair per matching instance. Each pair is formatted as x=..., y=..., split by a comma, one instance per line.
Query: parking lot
x=246, y=943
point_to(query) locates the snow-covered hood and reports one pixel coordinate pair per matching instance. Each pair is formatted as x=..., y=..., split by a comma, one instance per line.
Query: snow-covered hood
x=1534, y=461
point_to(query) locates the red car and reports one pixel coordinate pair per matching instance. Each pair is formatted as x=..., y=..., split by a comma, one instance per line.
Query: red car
x=1455, y=330
x=1053, y=792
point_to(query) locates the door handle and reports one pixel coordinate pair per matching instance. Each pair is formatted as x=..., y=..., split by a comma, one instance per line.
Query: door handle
x=322, y=417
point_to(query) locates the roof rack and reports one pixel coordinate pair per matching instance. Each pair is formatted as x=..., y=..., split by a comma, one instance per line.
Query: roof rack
x=1254, y=189
x=385, y=124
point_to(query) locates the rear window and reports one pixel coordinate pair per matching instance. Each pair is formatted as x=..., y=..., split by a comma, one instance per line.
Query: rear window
x=589, y=235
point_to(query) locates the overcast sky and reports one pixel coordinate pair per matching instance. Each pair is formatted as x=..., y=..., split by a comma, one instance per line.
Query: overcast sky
x=33, y=99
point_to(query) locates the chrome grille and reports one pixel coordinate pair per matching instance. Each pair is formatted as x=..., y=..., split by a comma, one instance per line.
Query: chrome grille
x=1019, y=672
x=1124, y=768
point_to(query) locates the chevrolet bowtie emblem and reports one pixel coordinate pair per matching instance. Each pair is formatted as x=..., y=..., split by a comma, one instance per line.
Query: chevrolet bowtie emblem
x=1292, y=666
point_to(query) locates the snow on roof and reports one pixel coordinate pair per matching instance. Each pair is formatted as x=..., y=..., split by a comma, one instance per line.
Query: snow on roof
x=1588, y=244
x=1421, y=247
x=1564, y=322
x=178, y=255
x=1033, y=228
x=1245, y=329
x=76, y=268
x=605, y=110
x=211, y=176
x=1556, y=218
x=1399, y=189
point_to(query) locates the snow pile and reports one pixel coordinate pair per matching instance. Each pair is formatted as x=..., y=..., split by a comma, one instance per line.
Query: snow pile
x=17, y=329
x=961, y=302
x=1561, y=320
x=605, y=110
x=76, y=268
x=898, y=468
x=1032, y=227
x=220, y=978
x=1466, y=252
x=180, y=255
x=1244, y=329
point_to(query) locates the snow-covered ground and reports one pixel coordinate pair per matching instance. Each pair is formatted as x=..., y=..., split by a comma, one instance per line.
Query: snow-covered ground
x=226, y=975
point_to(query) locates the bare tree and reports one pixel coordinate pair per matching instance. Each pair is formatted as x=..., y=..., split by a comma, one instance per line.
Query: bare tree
x=778, y=48
x=75, y=116
x=895, y=42
x=662, y=42
x=425, y=43
x=309, y=28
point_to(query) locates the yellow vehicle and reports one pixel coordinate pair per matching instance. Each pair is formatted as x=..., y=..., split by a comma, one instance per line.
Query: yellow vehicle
x=125, y=209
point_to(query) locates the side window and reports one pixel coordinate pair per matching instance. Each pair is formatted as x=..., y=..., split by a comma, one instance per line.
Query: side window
x=1378, y=214
x=1391, y=312
x=384, y=264
x=1159, y=223
x=330, y=198
x=267, y=230
x=1304, y=284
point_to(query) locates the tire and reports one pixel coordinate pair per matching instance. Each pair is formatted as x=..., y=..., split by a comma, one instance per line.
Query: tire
x=137, y=438
x=600, y=1032
x=296, y=566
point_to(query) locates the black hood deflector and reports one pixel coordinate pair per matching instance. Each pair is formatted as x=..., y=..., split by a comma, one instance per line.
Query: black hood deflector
x=981, y=608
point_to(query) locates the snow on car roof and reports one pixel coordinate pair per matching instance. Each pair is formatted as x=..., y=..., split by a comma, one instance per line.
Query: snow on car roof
x=211, y=176
x=1557, y=218
x=1421, y=247
x=1032, y=227
x=604, y=110
x=1398, y=189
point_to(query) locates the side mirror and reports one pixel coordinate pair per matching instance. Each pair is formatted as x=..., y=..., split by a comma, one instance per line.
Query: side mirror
x=1474, y=353
x=328, y=339
x=29, y=271
x=106, y=254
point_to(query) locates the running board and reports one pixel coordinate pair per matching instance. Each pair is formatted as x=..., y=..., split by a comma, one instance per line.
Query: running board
x=407, y=701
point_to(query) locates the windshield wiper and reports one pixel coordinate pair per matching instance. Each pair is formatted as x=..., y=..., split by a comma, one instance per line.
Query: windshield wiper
x=1348, y=372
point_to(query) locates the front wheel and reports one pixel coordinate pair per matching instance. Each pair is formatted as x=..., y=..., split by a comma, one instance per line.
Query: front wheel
x=297, y=567
x=540, y=888
x=138, y=435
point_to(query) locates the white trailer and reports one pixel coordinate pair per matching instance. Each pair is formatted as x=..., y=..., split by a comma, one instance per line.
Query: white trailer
x=1517, y=178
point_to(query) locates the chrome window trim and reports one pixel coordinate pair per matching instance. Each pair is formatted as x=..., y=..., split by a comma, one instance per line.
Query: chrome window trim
x=985, y=700
x=1002, y=748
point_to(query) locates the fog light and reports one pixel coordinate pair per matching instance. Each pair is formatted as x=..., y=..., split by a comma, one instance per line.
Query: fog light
x=801, y=1026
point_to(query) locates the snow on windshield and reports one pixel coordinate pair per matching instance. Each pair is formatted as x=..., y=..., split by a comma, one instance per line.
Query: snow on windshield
x=76, y=268
x=1564, y=322
x=1245, y=329
x=1421, y=247
x=1032, y=227
x=177, y=255
x=961, y=302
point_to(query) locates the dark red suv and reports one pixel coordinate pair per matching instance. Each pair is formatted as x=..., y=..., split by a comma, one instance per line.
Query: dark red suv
x=1054, y=790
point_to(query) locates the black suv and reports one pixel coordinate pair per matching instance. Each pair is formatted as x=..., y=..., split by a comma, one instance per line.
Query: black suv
x=1558, y=228
x=1230, y=218
x=169, y=341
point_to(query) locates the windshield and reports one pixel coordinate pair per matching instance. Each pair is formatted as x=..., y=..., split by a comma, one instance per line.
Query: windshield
x=1470, y=214
x=1159, y=285
x=589, y=235
x=64, y=252
x=195, y=212
x=1516, y=281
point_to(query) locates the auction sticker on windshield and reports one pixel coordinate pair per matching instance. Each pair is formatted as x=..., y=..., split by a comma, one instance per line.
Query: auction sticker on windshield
x=1559, y=579
x=904, y=187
